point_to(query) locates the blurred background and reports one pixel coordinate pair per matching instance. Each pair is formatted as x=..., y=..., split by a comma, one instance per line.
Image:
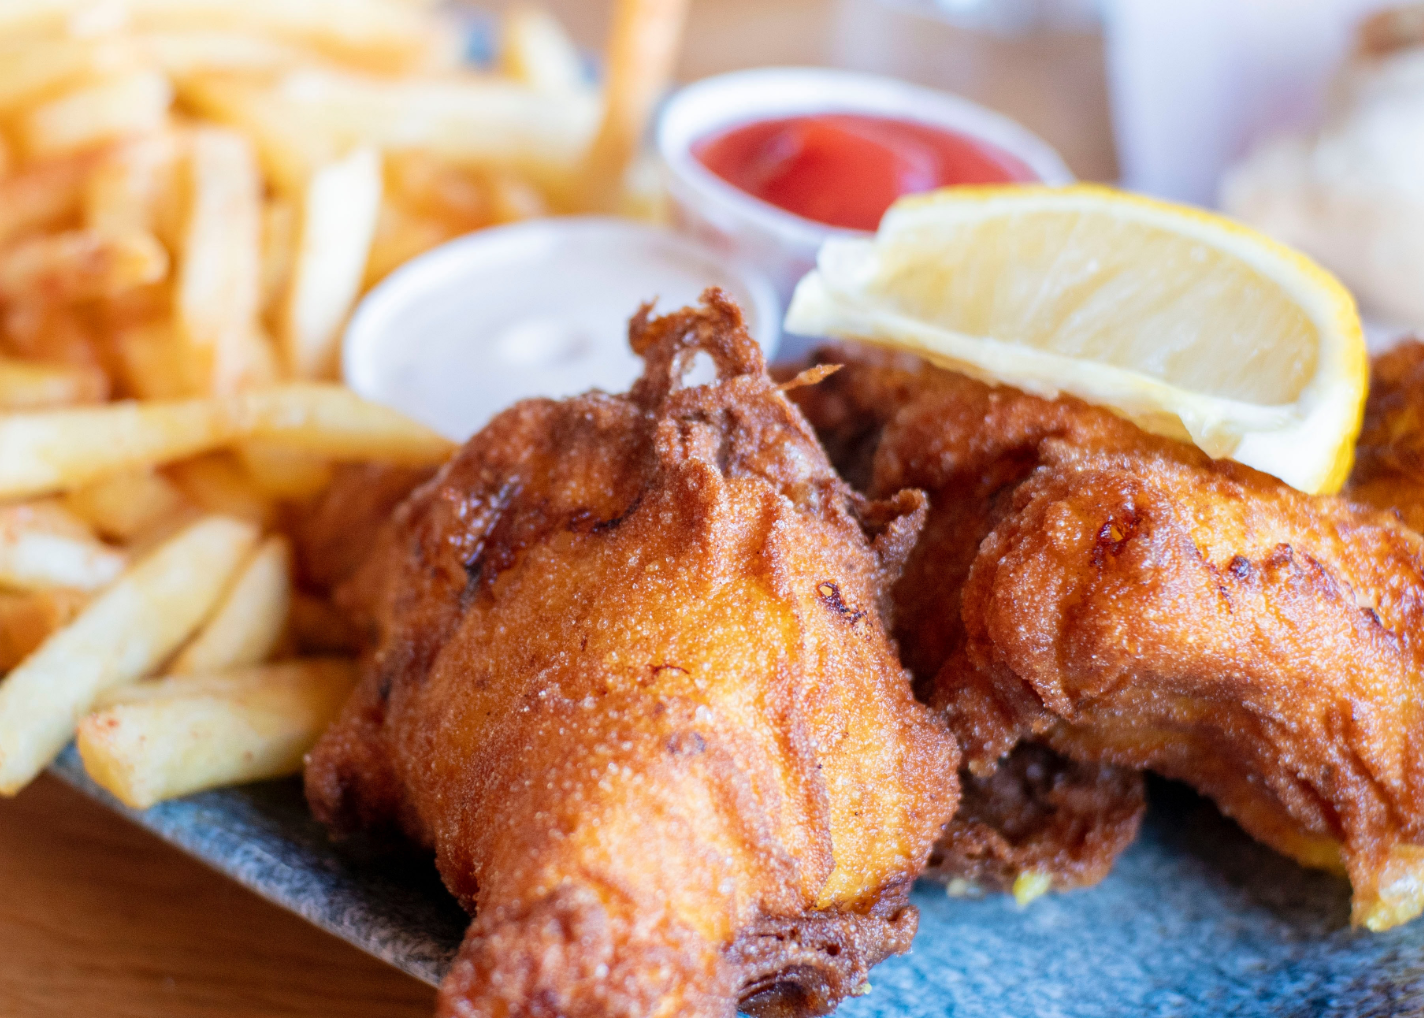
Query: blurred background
x=1040, y=61
x=1302, y=117
x=1194, y=83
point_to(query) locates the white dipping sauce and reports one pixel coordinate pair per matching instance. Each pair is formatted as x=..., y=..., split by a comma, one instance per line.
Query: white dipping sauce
x=536, y=309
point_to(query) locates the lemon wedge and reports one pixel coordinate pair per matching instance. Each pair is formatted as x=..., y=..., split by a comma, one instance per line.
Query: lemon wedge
x=1186, y=323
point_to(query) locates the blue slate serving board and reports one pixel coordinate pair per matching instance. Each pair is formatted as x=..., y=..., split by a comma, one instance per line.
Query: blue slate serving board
x=1196, y=920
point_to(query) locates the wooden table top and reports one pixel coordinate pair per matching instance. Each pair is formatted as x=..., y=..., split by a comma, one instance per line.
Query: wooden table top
x=98, y=918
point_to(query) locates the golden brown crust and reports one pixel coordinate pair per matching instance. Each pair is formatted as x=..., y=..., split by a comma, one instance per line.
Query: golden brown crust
x=1207, y=622
x=1389, y=456
x=892, y=422
x=631, y=683
x=335, y=531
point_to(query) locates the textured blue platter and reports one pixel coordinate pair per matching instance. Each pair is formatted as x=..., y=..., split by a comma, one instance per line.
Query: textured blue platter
x=1196, y=920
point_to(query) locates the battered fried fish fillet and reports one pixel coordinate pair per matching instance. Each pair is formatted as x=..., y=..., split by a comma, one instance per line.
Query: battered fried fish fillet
x=1209, y=623
x=1389, y=456
x=632, y=685
x=335, y=531
x=1038, y=821
x=890, y=422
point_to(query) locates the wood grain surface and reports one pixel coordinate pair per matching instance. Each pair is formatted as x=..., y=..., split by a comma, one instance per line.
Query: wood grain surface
x=99, y=919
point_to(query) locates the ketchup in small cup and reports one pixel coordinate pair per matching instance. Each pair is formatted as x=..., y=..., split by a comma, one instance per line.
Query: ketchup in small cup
x=845, y=170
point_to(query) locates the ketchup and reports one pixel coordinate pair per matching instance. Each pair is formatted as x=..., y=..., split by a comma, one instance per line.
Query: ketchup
x=846, y=169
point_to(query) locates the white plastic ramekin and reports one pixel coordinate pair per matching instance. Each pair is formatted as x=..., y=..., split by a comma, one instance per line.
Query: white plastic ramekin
x=779, y=243
x=540, y=308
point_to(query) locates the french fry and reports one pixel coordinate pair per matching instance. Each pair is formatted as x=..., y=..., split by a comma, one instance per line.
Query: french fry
x=283, y=473
x=60, y=450
x=128, y=505
x=185, y=734
x=133, y=103
x=136, y=187
x=218, y=290
x=250, y=620
x=150, y=361
x=42, y=194
x=216, y=483
x=513, y=199
x=34, y=71
x=290, y=146
x=27, y=385
x=535, y=50
x=43, y=546
x=28, y=620
x=400, y=236
x=429, y=186
x=203, y=51
x=38, y=20
x=122, y=636
x=279, y=251
x=370, y=34
x=641, y=54
x=54, y=334
x=78, y=265
x=469, y=119
x=339, y=214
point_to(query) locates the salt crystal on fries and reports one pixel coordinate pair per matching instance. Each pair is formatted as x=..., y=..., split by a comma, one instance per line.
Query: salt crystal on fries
x=133, y=103
x=122, y=636
x=250, y=620
x=219, y=286
x=159, y=740
x=42, y=546
x=80, y=265
x=27, y=385
x=339, y=213
x=60, y=450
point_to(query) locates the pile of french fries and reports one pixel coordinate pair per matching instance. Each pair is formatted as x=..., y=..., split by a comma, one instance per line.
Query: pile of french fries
x=193, y=196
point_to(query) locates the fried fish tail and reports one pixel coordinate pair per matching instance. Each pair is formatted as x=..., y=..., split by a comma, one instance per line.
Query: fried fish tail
x=1208, y=623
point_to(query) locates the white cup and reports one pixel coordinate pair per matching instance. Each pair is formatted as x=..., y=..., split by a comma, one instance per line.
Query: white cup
x=780, y=244
x=1196, y=82
x=540, y=308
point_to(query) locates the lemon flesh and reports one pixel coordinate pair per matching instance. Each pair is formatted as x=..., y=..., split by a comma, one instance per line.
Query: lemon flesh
x=1186, y=323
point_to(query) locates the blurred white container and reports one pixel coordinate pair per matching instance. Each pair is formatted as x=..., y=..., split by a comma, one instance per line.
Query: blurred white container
x=780, y=244
x=1195, y=83
x=540, y=308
